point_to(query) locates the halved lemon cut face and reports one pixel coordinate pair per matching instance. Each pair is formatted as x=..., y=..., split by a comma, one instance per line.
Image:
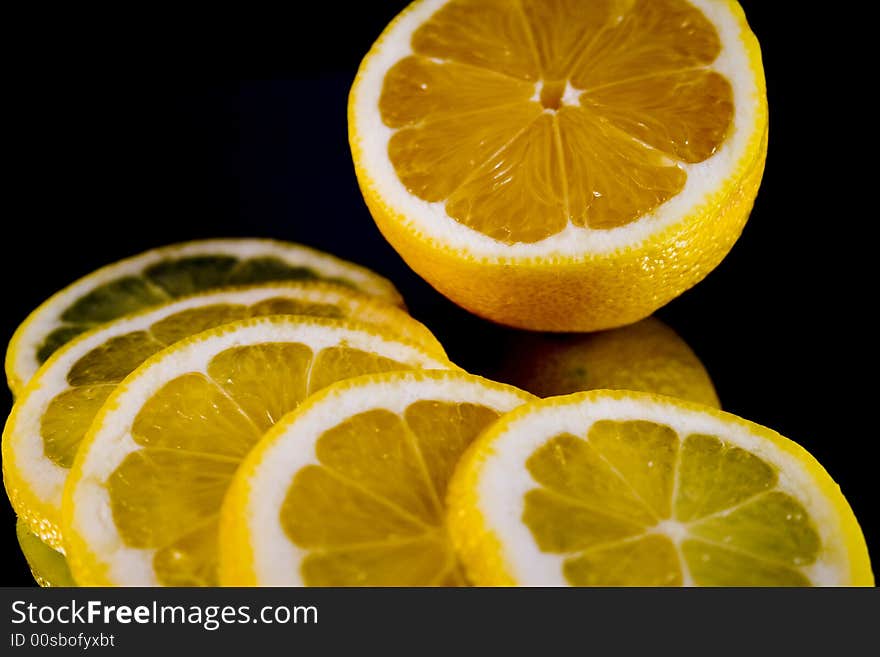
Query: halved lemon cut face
x=523, y=119
x=349, y=490
x=55, y=410
x=161, y=275
x=142, y=500
x=619, y=488
x=561, y=166
x=547, y=113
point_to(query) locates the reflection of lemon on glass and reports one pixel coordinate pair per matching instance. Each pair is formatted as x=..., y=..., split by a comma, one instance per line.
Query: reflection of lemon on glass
x=646, y=357
x=48, y=566
x=561, y=166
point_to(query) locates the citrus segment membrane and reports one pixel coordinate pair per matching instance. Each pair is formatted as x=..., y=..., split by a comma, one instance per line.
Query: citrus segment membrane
x=618, y=484
x=41, y=439
x=353, y=484
x=388, y=525
x=526, y=117
x=159, y=458
x=632, y=489
x=161, y=275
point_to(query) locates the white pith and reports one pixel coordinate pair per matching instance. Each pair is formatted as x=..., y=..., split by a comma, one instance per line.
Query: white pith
x=30, y=335
x=45, y=479
x=291, y=446
x=89, y=519
x=430, y=220
x=504, y=480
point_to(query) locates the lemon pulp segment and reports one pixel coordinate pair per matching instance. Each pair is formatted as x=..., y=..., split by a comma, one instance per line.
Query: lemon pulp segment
x=164, y=281
x=371, y=511
x=94, y=376
x=192, y=434
x=525, y=117
x=635, y=503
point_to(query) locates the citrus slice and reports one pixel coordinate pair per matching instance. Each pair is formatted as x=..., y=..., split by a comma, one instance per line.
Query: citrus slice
x=56, y=408
x=622, y=488
x=163, y=274
x=647, y=356
x=48, y=566
x=142, y=500
x=564, y=166
x=349, y=489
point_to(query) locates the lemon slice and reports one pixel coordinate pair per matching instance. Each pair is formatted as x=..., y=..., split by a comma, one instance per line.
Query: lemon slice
x=54, y=411
x=621, y=488
x=48, y=566
x=163, y=274
x=647, y=356
x=565, y=166
x=349, y=489
x=142, y=500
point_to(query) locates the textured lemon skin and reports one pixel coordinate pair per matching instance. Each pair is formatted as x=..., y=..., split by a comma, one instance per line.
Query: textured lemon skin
x=591, y=292
x=482, y=551
x=647, y=356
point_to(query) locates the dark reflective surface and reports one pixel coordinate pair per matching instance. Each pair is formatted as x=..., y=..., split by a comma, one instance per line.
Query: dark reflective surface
x=150, y=141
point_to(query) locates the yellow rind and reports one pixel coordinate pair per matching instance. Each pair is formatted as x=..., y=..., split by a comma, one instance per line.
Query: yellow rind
x=482, y=551
x=590, y=292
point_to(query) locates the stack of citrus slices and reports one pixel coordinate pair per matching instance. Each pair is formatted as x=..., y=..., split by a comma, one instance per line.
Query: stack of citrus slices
x=250, y=412
x=311, y=432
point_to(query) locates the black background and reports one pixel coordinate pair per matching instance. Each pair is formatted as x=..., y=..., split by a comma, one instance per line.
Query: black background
x=129, y=132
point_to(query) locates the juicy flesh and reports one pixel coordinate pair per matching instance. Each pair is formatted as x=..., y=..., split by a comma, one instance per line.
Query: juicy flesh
x=526, y=116
x=164, y=281
x=637, y=504
x=193, y=433
x=94, y=376
x=370, y=513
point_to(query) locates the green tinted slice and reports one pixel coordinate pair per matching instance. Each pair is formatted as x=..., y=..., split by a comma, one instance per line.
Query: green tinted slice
x=58, y=338
x=193, y=274
x=114, y=360
x=114, y=299
x=713, y=565
x=264, y=270
x=67, y=418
